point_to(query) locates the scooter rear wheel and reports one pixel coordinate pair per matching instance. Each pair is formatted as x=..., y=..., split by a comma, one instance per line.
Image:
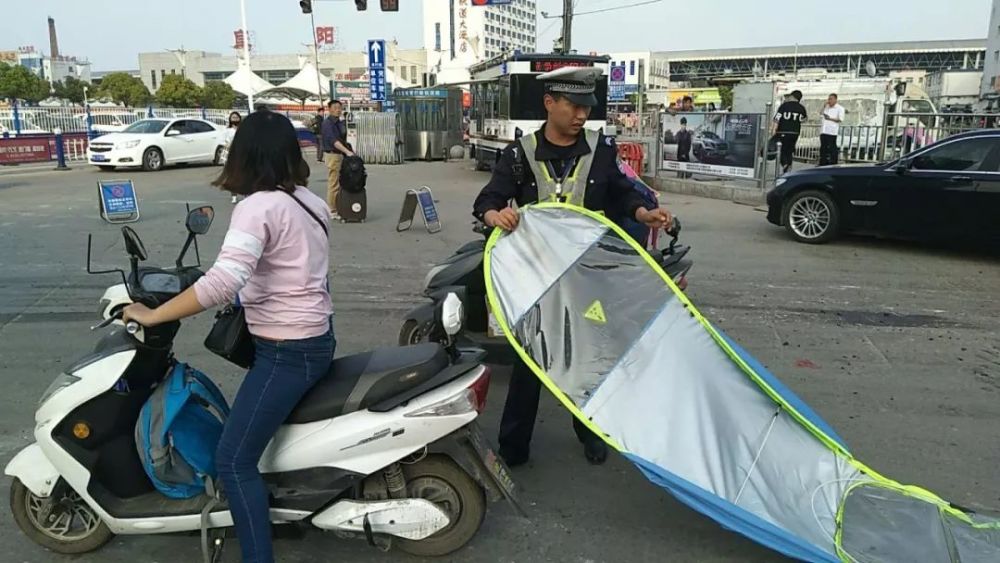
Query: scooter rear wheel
x=72, y=527
x=441, y=481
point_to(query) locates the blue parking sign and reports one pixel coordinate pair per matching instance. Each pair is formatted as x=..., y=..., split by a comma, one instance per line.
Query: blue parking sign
x=119, y=203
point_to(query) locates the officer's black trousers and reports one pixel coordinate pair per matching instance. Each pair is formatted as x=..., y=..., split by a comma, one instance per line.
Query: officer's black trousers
x=520, y=410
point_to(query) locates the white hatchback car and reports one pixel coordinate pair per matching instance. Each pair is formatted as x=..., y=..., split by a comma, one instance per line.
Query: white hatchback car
x=154, y=143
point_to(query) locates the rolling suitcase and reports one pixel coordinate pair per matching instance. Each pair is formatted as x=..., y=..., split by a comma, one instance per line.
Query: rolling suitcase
x=352, y=206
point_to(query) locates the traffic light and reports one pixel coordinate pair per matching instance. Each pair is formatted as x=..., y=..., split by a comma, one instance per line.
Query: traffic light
x=306, y=5
x=361, y=5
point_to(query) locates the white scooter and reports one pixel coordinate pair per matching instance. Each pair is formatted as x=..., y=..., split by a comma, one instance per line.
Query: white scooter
x=385, y=448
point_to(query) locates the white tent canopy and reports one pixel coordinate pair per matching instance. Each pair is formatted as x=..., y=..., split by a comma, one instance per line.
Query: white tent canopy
x=303, y=85
x=246, y=82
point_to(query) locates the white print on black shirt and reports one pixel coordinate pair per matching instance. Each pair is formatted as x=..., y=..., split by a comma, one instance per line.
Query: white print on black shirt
x=790, y=116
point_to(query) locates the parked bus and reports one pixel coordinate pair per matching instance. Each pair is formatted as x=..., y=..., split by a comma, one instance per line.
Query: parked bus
x=507, y=100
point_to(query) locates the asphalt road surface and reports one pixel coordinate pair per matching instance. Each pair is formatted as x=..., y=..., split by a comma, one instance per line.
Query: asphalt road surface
x=895, y=344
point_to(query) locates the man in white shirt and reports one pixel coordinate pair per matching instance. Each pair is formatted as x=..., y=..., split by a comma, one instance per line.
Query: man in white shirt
x=833, y=114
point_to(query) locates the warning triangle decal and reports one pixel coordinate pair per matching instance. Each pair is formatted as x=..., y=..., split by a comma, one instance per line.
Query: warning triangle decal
x=595, y=313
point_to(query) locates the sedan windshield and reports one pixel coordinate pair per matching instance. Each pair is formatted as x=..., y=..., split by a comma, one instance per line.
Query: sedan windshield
x=146, y=126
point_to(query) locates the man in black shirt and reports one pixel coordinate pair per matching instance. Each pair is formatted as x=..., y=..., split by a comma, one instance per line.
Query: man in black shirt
x=561, y=161
x=787, y=125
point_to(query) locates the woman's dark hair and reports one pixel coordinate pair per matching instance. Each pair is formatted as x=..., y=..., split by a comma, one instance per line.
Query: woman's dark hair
x=238, y=117
x=264, y=155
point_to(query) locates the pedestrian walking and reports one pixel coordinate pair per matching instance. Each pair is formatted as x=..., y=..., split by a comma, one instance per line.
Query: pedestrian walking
x=787, y=124
x=317, y=130
x=833, y=115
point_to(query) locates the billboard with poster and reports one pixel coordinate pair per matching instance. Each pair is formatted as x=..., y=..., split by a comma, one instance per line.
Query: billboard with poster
x=719, y=144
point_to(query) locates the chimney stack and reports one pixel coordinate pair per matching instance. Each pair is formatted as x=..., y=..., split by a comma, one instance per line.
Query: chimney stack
x=53, y=41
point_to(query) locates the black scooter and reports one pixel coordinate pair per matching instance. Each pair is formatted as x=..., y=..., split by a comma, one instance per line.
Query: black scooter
x=462, y=274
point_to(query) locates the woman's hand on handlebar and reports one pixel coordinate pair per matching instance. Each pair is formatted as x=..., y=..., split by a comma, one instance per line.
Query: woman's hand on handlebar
x=141, y=314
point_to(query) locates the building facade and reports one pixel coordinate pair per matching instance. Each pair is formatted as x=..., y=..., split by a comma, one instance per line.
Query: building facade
x=460, y=33
x=654, y=72
x=202, y=66
x=989, y=86
x=782, y=62
x=52, y=69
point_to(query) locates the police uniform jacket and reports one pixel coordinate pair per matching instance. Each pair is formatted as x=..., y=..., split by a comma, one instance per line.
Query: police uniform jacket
x=608, y=190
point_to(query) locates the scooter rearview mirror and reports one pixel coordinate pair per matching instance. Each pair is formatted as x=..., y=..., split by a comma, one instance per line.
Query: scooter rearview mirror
x=200, y=219
x=133, y=244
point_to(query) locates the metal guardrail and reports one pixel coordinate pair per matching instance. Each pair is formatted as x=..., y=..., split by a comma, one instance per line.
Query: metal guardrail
x=901, y=134
x=378, y=138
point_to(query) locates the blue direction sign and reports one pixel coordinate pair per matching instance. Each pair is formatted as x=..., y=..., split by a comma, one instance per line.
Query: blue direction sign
x=376, y=53
x=376, y=70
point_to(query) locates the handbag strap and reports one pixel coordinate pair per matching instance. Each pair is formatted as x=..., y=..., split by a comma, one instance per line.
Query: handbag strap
x=310, y=212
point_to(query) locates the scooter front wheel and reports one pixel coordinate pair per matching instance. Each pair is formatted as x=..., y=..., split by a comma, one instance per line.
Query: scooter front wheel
x=412, y=332
x=67, y=525
x=441, y=481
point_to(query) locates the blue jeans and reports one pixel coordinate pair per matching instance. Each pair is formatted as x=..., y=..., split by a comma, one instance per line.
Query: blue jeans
x=282, y=372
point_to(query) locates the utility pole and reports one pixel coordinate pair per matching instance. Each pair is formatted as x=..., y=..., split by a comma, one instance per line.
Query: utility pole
x=567, y=27
x=306, y=6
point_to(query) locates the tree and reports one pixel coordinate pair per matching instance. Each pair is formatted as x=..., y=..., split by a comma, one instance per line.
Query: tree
x=726, y=95
x=179, y=92
x=71, y=89
x=217, y=95
x=19, y=83
x=124, y=88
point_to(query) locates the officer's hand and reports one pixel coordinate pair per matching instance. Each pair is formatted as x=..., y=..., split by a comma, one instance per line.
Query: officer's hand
x=505, y=219
x=655, y=218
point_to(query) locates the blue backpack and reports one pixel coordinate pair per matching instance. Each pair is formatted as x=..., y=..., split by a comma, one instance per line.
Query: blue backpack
x=177, y=432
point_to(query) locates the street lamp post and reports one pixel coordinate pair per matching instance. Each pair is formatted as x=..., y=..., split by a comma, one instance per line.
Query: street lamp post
x=315, y=42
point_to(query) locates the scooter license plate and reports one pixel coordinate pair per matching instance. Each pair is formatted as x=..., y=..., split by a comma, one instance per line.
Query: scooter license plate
x=493, y=463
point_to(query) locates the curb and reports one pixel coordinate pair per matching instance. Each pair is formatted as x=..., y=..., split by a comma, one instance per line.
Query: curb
x=710, y=190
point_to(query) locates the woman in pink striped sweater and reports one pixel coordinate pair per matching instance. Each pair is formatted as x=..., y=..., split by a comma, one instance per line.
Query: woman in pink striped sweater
x=276, y=257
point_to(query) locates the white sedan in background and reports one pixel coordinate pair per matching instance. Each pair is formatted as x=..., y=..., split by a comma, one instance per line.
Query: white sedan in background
x=154, y=143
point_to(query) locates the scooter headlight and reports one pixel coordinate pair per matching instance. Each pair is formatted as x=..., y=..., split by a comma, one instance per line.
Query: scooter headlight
x=63, y=381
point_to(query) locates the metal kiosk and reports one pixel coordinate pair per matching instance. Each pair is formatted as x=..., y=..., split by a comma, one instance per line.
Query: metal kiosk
x=431, y=121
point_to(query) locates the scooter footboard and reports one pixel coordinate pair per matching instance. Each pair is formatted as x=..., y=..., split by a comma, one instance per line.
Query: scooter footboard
x=470, y=450
x=34, y=470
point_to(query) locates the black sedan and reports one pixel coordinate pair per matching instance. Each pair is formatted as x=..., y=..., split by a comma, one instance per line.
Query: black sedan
x=950, y=189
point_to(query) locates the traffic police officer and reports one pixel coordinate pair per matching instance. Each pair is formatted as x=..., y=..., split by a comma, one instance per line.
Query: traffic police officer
x=565, y=162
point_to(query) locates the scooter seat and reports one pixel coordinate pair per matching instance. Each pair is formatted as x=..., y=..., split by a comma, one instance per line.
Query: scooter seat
x=355, y=382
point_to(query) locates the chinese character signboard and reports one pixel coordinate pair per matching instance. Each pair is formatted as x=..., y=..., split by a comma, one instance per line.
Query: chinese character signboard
x=325, y=36
x=550, y=65
x=463, y=26
x=376, y=69
x=15, y=151
x=491, y=2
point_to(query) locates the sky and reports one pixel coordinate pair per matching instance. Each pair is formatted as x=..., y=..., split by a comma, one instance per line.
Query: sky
x=111, y=37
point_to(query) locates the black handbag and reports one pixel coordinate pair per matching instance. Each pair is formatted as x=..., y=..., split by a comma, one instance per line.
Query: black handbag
x=230, y=336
